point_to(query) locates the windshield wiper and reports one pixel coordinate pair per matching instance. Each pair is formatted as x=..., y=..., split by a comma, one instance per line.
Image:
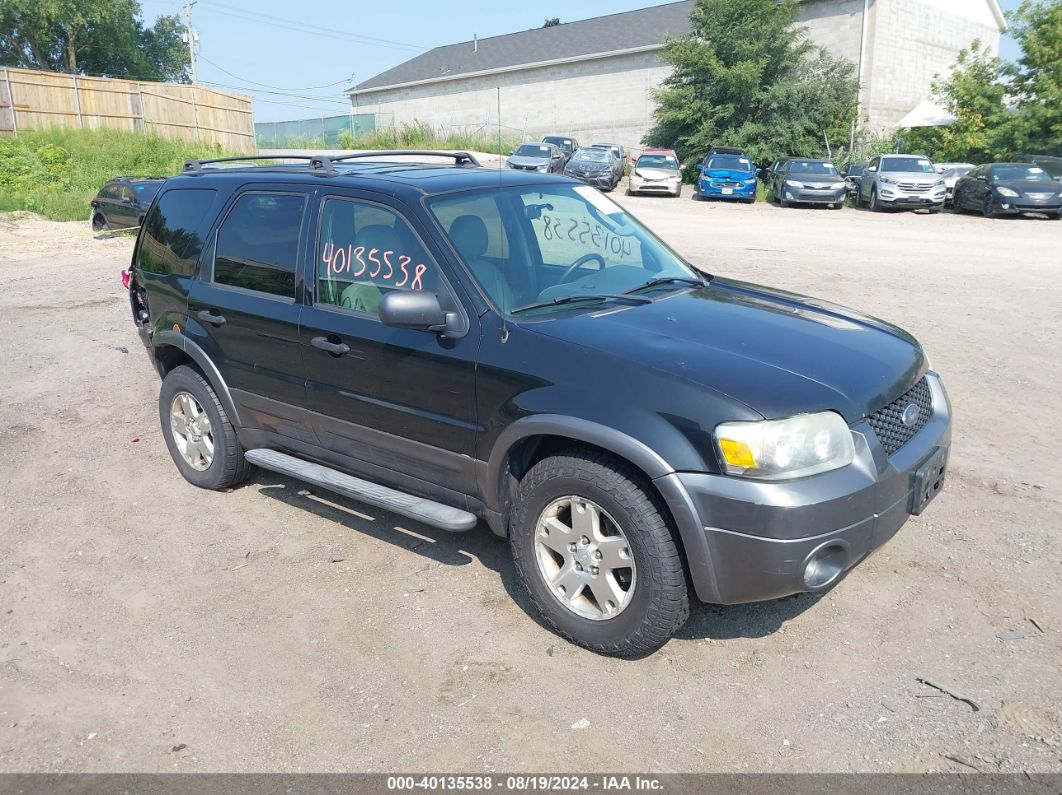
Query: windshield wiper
x=660, y=280
x=571, y=299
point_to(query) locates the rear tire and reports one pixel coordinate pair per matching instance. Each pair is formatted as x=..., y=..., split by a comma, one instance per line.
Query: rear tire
x=645, y=603
x=206, y=452
x=99, y=223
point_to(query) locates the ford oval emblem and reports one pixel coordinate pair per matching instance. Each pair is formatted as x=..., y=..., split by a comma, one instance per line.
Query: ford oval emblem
x=910, y=415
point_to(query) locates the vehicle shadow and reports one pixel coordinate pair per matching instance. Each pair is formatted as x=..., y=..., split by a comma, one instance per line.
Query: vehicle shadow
x=717, y=622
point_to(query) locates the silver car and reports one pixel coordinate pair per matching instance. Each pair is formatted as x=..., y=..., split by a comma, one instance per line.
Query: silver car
x=546, y=158
x=656, y=173
x=906, y=181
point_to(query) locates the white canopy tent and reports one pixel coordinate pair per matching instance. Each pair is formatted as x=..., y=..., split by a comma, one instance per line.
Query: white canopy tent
x=927, y=114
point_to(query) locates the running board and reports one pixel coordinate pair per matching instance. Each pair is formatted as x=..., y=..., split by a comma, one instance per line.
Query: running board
x=436, y=514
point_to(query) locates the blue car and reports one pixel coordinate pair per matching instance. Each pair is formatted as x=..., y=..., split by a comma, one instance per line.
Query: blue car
x=727, y=174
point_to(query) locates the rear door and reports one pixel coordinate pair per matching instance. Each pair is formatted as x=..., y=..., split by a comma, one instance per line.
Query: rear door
x=398, y=403
x=245, y=304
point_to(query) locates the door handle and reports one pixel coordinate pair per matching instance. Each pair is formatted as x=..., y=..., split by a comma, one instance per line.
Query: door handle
x=334, y=348
x=212, y=317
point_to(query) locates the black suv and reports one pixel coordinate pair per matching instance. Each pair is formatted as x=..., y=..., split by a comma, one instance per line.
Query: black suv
x=122, y=202
x=458, y=344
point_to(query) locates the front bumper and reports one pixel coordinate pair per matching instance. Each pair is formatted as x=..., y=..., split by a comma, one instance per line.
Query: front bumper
x=747, y=541
x=600, y=180
x=729, y=190
x=666, y=187
x=893, y=196
x=808, y=195
x=1024, y=205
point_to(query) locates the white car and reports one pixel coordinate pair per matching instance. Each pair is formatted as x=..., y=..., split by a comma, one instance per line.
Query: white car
x=656, y=173
x=906, y=181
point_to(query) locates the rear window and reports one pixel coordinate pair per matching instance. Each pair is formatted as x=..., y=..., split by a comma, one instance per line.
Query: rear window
x=172, y=237
x=258, y=243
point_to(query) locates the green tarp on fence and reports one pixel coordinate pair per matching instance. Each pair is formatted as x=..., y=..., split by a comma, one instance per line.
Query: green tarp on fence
x=321, y=132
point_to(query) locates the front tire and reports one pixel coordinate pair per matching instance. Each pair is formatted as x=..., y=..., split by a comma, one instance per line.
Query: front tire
x=594, y=548
x=874, y=205
x=198, y=434
x=988, y=209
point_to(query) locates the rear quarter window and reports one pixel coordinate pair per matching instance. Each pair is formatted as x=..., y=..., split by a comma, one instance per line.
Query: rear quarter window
x=172, y=236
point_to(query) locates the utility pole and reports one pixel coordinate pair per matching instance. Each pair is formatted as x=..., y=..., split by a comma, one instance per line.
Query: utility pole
x=191, y=37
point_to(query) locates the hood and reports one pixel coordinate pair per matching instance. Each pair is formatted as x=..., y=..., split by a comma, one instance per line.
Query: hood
x=656, y=173
x=816, y=179
x=916, y=177
x=728, y=173
x=1024, y=186
x=523, y=160
x=778, y=353
x=589, y=165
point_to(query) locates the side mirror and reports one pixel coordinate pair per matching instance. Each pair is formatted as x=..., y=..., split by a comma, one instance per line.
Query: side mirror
x=872, y=169
x=415, y=309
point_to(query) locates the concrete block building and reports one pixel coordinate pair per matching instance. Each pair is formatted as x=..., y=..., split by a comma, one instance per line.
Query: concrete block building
x=594, y=78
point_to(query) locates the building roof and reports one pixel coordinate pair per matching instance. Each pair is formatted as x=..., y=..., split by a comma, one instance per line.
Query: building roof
x=632, y=30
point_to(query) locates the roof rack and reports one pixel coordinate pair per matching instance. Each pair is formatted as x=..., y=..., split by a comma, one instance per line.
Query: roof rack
x=325, y=164
x=196, y=166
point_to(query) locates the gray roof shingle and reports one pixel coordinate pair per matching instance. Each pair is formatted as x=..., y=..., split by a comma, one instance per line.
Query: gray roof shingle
x=627, y=30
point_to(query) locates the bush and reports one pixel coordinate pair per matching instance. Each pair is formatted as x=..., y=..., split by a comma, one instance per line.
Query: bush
x=57, y=172
x=421, y=136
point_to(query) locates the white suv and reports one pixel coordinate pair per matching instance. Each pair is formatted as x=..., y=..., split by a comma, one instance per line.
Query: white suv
x=908, y=181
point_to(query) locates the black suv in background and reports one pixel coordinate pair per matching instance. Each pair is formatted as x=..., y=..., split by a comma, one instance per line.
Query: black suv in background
x=568, y=145
x=457, y=344
x=122, y=202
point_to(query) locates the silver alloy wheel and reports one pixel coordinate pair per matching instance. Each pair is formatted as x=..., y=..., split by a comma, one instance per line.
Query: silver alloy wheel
x=191, y=431
x=584, y=558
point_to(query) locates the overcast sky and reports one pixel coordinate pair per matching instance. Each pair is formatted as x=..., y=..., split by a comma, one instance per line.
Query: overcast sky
x=295, y=59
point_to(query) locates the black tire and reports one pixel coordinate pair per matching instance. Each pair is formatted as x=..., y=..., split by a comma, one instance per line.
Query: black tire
x=988, y=209
x=872, y=203
x=782, y=202
x=659, y=603
x=228, y=466
x=839, y=206
x=1056, y=217
x=99, y=223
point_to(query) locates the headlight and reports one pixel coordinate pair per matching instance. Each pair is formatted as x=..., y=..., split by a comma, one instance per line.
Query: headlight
x=1007, y=192
x=544, y=167
x=750, y=179
x=782, y=449
x=794, y=184
x=838, y=185
x=887, y=181
x=940, y=184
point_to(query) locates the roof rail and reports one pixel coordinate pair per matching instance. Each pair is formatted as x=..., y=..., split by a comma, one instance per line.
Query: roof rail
x=459, y=158
x=196, y=166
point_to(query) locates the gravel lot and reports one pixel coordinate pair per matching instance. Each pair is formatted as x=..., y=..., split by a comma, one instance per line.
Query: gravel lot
x=146, y=625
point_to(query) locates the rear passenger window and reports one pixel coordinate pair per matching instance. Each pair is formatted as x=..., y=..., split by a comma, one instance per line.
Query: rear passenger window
x=172, y=238
x=366, y=251
x=258, y=243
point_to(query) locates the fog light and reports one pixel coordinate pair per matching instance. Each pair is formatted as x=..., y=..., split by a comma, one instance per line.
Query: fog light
x=825, y=565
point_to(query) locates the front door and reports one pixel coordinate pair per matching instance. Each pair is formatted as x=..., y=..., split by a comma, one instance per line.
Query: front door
x=398, y=403
x=244, y=304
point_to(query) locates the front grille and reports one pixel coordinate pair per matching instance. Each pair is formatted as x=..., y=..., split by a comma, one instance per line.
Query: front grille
x=726, y=184
x=1040, y=197
x=888, y=422
x=914, y=187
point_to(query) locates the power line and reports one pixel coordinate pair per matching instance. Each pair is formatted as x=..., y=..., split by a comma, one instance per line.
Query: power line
x=275, y=88
x=277, y=93
x=304, y=27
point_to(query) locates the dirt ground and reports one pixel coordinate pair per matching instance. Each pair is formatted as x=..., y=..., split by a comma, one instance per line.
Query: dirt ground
x=146, y=625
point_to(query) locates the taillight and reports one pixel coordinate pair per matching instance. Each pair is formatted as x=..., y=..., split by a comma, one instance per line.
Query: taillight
x=127, y=278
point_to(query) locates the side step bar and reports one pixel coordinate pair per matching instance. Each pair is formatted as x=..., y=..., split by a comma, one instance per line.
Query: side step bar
x=437, y=515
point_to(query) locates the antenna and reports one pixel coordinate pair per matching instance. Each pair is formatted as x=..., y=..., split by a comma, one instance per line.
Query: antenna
x=499, y=126
x=192, y=38
x=475, y=42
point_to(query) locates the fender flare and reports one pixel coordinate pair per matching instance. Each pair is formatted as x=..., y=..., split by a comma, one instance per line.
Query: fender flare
x=578, y=430
x=206, y=364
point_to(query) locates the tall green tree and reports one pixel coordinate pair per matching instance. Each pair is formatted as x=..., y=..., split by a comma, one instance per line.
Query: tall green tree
x=1036, y=79
x=104, y=37
x=976, y=96
x=747, y=76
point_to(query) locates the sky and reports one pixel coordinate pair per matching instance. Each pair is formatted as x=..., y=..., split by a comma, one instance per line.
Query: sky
x=296, y=59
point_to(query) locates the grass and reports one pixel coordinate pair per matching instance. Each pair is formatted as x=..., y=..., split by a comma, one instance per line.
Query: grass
x=57, y=172
x=421, y=136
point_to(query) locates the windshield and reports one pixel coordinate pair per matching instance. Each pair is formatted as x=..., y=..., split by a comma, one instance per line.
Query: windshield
x=730, y=163
x=812, y=168
x=528, y=246
x=563, y=143
x=856, y=169
x=656, y=161
x=593, y=155
x=533, y=150
x=915, y=165
x=1008, y=173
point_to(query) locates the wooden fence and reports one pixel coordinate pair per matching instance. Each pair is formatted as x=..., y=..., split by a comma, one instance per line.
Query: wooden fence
x=32, y=100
